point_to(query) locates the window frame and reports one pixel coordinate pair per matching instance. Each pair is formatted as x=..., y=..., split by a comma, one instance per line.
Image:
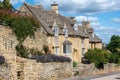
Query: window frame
x=67, y=48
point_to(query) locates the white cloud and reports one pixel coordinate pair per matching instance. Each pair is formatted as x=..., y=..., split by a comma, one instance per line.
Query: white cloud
x=106, y=32
x=83, y=6
x=116, y=20
x=94, y=20
x=16, y=1
x=85, y=18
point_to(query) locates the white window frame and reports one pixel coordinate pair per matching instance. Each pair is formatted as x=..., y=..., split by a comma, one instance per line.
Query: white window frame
x=56, y=50
x=56, y=31
x=67, y=48
x=75, y=27
x=82, y=40
x=83, y=51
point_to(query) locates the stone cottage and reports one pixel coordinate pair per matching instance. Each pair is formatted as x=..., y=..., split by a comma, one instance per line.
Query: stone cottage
x=63, y=35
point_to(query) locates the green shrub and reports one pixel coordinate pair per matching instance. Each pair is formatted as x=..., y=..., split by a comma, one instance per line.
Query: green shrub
x=22, y=26
x=22, y=51
x=35, y=52
x=97, y=56
x=113, y=58
x=75, y=64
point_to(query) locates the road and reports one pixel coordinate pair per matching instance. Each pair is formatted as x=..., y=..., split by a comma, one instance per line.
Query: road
x=108, y=76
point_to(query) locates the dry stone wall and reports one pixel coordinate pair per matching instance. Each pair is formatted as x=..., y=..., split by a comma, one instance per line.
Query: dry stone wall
x=8, y=40
x=37, y=42
x=24, y=69
x=90, y=69
x=5, y=72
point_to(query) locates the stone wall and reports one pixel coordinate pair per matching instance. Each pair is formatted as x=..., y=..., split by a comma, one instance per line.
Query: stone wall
x=89, y=70
x=44, y=71
x=8, y=40
x=4, y=72
x=26, y=69
x=36, y=43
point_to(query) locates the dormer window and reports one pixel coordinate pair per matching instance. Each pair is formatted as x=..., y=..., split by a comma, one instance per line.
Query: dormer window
x=93, y=35
x=65, y=30
x=55, y=28
x=56, y=31
x=75, y=27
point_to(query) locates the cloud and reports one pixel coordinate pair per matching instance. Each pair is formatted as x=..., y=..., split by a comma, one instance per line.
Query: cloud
x=117, y=20
x=106, y=32
x=85, y=18
x=83, y=6
x=16, y=1
x=94, y=20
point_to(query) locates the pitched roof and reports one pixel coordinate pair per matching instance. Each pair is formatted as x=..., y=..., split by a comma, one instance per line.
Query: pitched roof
x=46, y=19
x=90, y=33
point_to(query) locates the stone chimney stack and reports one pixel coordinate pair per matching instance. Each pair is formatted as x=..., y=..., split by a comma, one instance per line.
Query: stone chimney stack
x=54, y=7
x=86, y=24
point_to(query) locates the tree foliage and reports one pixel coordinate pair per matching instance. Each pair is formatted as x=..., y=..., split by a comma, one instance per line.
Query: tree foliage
x=6, y=5
x=22, y=26
x=97, y=56
x=114, y=45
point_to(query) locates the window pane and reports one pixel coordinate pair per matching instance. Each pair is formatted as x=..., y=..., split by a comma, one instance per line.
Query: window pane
x=66, y=48
x=56, y=50
x=83, y=51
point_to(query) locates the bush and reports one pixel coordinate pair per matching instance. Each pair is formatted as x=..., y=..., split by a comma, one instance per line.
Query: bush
x=113, y=58
x=2, y=60
x=22, y=26
x=35, y=52
x=97, y=56
x=75, y=64
x=22, y=51
x=51, y=58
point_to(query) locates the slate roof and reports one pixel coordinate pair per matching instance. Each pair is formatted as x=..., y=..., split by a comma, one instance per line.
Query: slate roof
x=47, y=17
x=90, y=33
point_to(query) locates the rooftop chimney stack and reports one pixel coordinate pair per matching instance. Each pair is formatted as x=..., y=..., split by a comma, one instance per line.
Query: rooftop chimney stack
x=54, y=7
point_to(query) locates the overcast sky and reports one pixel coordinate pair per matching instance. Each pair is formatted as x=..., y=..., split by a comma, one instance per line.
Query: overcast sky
x=103, y=14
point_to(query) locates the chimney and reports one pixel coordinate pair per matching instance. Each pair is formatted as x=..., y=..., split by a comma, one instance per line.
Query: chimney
x=85, y=24
x=54, y=7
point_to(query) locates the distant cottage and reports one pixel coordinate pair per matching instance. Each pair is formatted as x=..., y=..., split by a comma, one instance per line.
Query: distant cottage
x=63, y=35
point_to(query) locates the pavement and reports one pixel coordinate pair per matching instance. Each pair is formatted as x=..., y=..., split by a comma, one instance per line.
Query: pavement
x=107, y=76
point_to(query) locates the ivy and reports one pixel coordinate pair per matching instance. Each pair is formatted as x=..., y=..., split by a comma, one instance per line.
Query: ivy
x=22, y=26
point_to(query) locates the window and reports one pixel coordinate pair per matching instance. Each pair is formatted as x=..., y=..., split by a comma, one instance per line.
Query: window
x=66, y=32
x=83, y=51
x=56, y=50
x=82, y=40
x=67, y=48
x=75, y=27
x=93, y=35
x=56, y=31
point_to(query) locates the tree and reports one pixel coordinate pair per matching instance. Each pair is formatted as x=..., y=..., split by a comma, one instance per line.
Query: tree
x=6, y=5
x=114, y=45
x=97, y=56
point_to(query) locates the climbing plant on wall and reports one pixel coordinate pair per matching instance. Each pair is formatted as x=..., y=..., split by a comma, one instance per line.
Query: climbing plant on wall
x=22, y=26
